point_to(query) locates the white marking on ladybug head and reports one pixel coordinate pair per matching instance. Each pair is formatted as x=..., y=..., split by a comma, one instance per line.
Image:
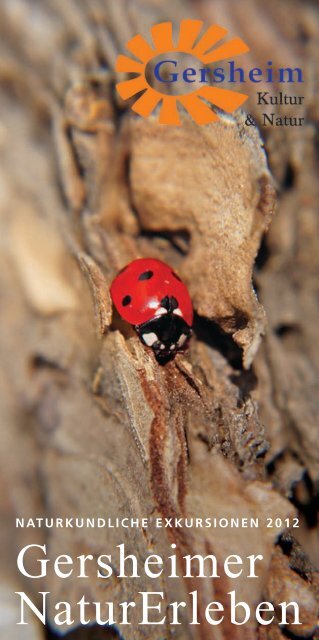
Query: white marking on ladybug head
x=162, y=346
x=173, y=346
x=181, y=340
x=160, y=311
x=149, y=338
x=178, y=312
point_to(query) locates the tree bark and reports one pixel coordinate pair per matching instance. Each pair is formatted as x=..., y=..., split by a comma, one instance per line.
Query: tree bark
x=93, y=426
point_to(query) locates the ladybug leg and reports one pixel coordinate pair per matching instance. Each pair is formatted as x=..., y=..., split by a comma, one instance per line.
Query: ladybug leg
x=99, y=290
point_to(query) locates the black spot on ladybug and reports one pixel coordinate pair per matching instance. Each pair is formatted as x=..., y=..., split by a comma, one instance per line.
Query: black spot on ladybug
x=146, y=275
x=169, y=302
x=126, y=300
x=176, y=276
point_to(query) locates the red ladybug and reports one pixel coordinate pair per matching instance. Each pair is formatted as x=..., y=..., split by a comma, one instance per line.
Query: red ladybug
x=148, y=294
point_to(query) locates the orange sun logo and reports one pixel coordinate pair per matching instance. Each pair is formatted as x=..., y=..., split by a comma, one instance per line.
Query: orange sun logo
x=162, y=37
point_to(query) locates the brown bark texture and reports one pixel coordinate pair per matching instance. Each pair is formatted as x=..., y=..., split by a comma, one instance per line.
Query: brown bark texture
x=91, y=424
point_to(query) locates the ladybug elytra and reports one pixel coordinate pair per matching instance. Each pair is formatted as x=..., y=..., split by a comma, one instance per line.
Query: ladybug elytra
x=149, y=295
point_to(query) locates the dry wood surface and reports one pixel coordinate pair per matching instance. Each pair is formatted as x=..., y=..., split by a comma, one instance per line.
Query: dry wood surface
x=91, y=424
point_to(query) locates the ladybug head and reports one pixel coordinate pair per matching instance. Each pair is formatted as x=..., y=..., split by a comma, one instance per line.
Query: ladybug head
x=167, y=332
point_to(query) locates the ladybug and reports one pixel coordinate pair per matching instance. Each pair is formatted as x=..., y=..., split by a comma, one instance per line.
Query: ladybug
x=149, y=295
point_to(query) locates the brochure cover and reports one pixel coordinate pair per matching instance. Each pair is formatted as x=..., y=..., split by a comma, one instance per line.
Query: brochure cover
x=159, y=305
